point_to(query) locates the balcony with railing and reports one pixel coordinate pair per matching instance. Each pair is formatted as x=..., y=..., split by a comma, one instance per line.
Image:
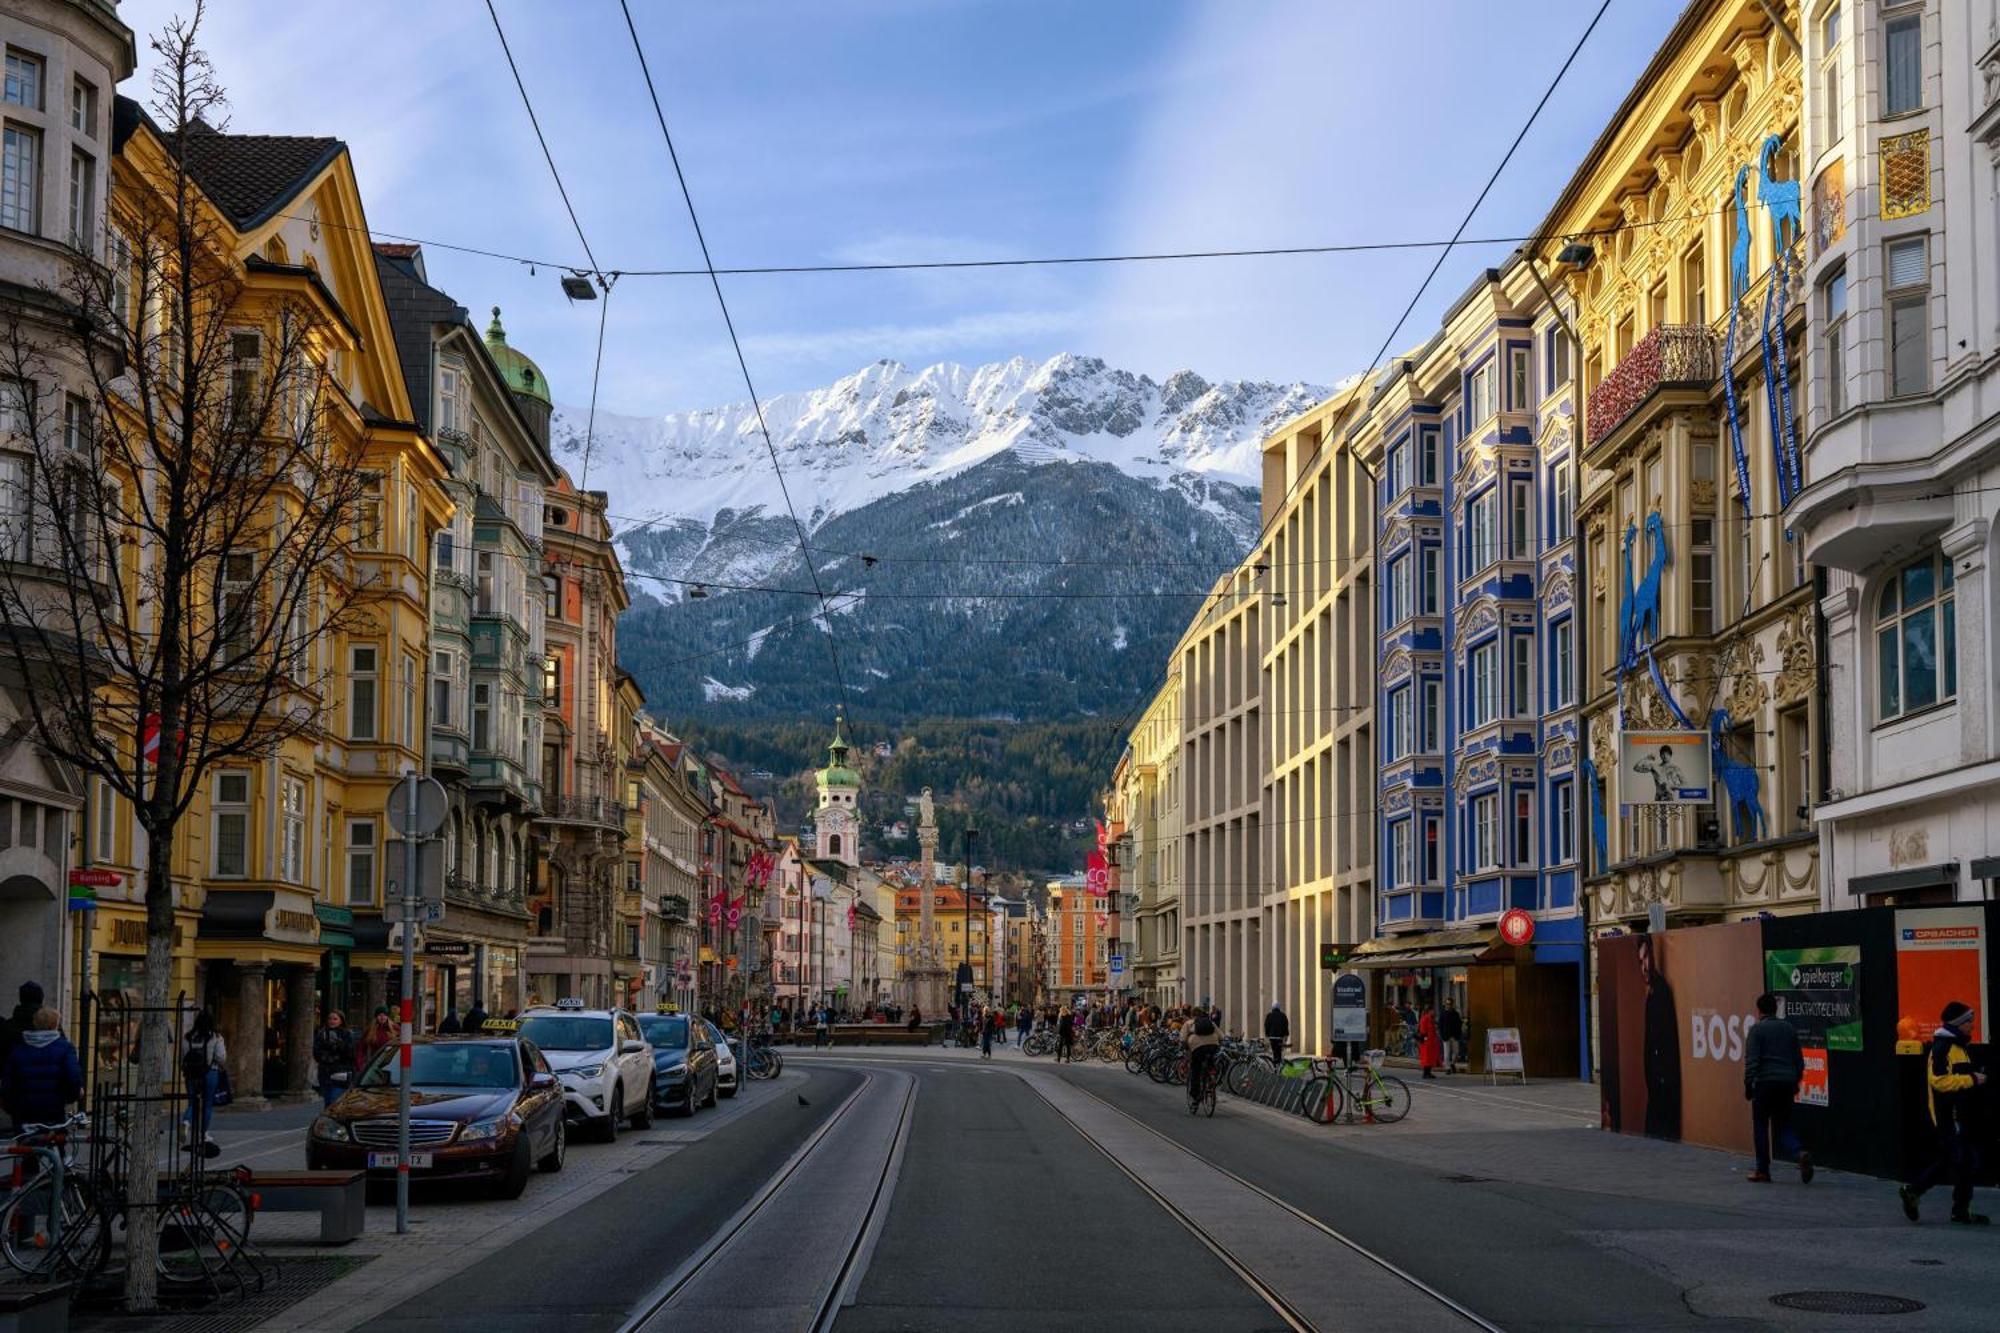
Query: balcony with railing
x=594, y=810
x=1672, y=356
x=673, y=907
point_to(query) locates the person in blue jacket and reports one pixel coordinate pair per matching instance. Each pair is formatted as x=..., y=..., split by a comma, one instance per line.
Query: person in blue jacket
x=42, y=1075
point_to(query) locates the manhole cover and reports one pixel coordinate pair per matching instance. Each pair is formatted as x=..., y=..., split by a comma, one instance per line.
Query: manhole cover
x=1466, y=1180
x=1846, y=1302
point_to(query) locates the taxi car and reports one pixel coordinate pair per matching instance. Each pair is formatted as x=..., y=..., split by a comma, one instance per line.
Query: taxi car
x=725, y=1060
x=485, y=1107
x=602, y=1060
x=684, y=1061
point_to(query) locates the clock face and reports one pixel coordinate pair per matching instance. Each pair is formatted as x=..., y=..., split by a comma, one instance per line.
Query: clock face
x=836, y=818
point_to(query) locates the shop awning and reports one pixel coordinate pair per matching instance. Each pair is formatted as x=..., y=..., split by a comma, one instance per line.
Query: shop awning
x=1437, y=948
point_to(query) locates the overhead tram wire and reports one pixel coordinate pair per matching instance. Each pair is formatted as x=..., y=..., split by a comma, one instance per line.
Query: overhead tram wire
x=742, y=364
x=605, y=279
x=1145, y=698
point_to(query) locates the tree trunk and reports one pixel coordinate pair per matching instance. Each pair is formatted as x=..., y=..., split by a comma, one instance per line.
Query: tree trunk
x=154, y=1082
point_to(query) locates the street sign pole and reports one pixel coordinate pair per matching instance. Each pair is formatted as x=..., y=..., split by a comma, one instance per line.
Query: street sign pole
x=409, y=794
x=422, y=812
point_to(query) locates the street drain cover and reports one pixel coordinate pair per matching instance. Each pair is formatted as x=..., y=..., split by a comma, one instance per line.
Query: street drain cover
x=1846, y=1302
x=1466, y=1180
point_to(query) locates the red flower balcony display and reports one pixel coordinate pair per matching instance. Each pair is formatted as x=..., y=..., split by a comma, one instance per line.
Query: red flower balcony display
x=1672, y=355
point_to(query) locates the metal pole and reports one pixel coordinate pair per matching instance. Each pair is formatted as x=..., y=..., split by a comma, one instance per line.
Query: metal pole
x=409, y=985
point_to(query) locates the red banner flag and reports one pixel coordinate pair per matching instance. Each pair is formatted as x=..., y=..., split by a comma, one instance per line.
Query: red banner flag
x=1098, y=874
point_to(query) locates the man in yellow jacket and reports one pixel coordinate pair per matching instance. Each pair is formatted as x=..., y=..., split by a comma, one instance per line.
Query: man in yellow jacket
x=1953, y=1085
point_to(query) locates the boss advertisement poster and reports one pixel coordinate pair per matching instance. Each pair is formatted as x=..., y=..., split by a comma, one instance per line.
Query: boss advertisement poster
x=1819, y=993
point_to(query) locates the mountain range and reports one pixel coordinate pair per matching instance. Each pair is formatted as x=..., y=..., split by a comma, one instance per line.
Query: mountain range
x=1016, y=541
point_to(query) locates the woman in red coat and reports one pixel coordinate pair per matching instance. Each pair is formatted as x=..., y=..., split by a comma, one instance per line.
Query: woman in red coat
x=1430, y=1046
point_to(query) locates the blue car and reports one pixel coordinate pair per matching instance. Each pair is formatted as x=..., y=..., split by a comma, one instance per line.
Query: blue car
x=684, y=1062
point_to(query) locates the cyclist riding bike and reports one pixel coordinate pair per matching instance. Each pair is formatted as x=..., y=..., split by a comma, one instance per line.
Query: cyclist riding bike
x=1203, y=1040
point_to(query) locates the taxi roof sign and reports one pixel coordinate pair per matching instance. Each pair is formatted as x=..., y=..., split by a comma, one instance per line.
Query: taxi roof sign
x=501, y=1025
x=569, y=1002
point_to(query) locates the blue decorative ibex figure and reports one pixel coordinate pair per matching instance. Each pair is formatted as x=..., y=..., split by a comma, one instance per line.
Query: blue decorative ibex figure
x=1780, y=197
x=1735, y=777
x=1644, y=622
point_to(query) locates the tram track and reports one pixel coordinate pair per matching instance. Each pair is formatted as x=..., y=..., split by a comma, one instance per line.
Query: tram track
x=822, y=1294
x=1283, y=1306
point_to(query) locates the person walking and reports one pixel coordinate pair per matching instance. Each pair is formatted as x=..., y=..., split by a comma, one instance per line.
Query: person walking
x=475, y=1017
x=1277, y=1029
x=1953, y=1086
x=1451, y=1028
x=1025, y=1023
x=989, y=1027
x=380, y=1033
x=1430, y=1046
x=822, y=1030
x=204, y=1057
x=333, y=1054
x=1773, y=1066
x=1065, y=1035
x=41, y=1076
x=22, y=1021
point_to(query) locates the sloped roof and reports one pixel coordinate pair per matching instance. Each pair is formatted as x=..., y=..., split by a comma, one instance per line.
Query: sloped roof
x=252, y=176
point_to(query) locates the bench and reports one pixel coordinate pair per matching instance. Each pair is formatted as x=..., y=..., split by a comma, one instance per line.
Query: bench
x=339, y=1197
x=39, y=1308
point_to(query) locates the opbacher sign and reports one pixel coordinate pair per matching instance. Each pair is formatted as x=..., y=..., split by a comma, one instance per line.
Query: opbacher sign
x=1819, y=993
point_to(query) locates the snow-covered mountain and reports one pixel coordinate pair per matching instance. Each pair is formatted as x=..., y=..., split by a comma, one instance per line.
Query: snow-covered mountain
x=993, y=539
x=702, y=480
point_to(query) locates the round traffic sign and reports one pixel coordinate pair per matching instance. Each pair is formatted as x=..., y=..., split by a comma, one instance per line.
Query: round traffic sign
x=429, y=812
x=1516, y=926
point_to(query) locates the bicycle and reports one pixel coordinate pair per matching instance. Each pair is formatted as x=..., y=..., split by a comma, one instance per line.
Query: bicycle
x=1351, y=1087
x=1201, y=1092
x=51, y=1227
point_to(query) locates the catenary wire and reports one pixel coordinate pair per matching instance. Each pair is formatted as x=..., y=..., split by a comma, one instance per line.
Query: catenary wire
x=742, y=364
x=541, y=138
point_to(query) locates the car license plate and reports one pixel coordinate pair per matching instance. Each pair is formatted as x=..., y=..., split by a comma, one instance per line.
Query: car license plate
x=378, y=1161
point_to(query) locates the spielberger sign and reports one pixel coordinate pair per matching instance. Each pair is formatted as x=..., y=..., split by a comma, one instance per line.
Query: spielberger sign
x=1819, y=993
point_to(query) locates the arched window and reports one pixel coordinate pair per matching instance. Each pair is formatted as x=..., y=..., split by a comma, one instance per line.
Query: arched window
x=833, y=845
x=1916, y=637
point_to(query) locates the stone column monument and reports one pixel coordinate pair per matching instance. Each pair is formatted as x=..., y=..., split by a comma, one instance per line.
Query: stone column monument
x=928, y=981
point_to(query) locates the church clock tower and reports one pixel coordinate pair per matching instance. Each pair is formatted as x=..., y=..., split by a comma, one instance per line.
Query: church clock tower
x=838, y=821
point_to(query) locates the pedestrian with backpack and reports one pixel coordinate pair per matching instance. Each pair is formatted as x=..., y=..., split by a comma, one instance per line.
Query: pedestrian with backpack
x=204, y=1057
x=1953, y=1085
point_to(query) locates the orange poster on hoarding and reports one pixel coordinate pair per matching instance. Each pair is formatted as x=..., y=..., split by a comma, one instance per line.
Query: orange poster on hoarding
x=1940, y=957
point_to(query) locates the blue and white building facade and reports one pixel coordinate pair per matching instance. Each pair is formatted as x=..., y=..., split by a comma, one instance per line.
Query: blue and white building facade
x=1472, y=443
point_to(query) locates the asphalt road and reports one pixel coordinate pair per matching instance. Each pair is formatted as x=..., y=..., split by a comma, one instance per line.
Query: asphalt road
x=1005, y=1210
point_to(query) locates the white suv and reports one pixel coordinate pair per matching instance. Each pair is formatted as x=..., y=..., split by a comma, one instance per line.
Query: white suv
x=602, y=1059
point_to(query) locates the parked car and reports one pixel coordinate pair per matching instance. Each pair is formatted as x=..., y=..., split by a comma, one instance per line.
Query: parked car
x=684, y=1061
x=725, y=1060
x=484, y=1107
x=603, y=1060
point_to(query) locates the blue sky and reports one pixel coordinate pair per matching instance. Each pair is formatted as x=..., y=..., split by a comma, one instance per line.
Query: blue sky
x=841, y=130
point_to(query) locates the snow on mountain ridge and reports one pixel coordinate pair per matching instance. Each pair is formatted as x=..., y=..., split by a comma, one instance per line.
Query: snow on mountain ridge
x=883, y=428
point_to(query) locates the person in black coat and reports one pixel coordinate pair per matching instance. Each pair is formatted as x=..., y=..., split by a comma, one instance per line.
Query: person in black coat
x=1451, y=1027
x=42, y=1075
x=1277, y=1030
x=1773, y=1066
x=475, y=1017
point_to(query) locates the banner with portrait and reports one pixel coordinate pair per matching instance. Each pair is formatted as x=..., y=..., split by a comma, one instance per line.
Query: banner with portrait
x=1664, y=768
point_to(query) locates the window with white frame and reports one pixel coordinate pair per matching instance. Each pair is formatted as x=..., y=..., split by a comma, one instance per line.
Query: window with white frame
x=1563, y=833
x=104, y=822
x=1829, y=74
x=83, y=107
x=1520, y=520
x=1427, y=457
x=443, y=677
x=482, y=716
x=1524, y=675
x=1484, y=701
x=1524, y=827
x=1485, y=831
x=1701, y=576
x=82, y=201
x=229, y=824
x=292, y=829
x=1479, y=401
x=1520, y=384
x=1395, y=475
x=1916, y=638
x=1565, y=503
x=1400, y=735
x=368, y=513
x=450, y=383
x=1399, y=588
x=1428, y=581
x=1430, y=740
x=236, y=605
x=1562, y=663
x=20, y=177
x=24, y=80
x=484, y=575
x=1833, y=313
x=1908, y=286
x=410, y=701
x=1902, y=60
x=1482, y=537
x=361, y=862
x=362, y=701
x=1400, y=866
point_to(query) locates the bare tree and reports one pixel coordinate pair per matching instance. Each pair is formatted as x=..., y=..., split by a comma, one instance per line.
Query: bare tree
x=180, y=554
